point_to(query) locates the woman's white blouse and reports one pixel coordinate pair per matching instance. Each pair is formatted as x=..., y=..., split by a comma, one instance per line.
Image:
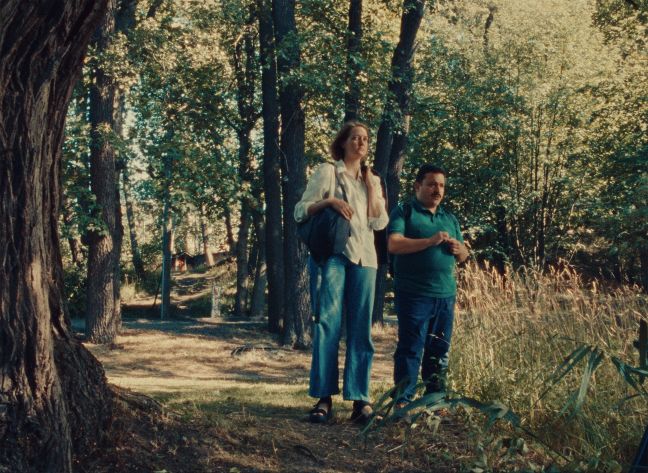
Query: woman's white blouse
x=360, y=247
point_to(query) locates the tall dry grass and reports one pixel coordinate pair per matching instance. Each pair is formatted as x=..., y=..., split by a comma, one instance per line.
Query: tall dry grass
x=513, y=331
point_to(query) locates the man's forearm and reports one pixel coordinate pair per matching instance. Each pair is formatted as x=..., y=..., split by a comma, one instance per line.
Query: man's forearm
x=408, y=245
x=398, y=244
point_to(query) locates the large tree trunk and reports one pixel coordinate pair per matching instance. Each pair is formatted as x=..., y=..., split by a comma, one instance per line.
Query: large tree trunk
x=103, y=309
x=53, y=394
x=292, y=146
x=353, y=70
x=392, y=134
x=271, y=169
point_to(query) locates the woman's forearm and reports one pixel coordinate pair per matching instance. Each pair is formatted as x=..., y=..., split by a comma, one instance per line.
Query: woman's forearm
x=319, y=205
x=375, y=205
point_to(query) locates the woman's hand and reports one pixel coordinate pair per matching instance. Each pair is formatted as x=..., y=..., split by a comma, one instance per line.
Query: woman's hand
x=342, y=207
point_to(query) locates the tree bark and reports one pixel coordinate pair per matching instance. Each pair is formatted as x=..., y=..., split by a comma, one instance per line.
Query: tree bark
x=271, y=169
x=391, y=141
x=292, y=148
x=54, y=398
x=354, y=39
x=103, y=310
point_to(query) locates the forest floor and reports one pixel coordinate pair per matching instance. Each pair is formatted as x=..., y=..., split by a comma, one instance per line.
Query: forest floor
x=220, y=395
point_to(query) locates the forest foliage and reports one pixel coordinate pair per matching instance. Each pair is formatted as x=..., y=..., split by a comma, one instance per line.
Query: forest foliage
x=537, y=110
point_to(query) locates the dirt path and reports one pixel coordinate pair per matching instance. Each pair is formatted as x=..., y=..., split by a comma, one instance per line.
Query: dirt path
x=243, y=410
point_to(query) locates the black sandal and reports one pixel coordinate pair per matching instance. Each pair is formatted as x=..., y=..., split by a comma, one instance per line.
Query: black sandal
x=319, y=415
x=359, y=414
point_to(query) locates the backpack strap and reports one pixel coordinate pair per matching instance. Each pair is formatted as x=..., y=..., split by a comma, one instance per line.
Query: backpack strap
x=406, y=207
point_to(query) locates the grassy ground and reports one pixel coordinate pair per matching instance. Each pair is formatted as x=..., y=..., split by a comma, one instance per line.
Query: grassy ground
x=232, y=400
x=233, y=409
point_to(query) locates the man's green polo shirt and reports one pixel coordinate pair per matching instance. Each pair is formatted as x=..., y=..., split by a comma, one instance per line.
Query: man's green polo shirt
x=430, y=272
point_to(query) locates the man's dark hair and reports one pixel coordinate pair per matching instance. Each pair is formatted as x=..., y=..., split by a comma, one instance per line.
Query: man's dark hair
x=427, y=169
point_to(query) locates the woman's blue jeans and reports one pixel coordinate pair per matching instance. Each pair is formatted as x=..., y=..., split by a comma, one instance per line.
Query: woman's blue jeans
x=424, y=335
x=342, y=283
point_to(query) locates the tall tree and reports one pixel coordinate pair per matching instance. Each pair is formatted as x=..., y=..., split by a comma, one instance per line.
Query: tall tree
x=394, y=127
x=354, y=61
x=260, y=269
x=271, y=168
x=294, y=181
x=53, y=394
x=167, y=231
x=205, y=236
x=103, y=310
x=244, y=62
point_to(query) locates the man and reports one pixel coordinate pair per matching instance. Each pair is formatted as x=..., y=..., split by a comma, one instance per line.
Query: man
x=426, y=241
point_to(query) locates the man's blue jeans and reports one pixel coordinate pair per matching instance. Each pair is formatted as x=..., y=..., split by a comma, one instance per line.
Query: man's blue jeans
x=342, y=283
x=424, y=331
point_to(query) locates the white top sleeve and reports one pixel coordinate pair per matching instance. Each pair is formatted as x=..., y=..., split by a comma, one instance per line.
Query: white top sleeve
x=381, y=221
x=320, y=185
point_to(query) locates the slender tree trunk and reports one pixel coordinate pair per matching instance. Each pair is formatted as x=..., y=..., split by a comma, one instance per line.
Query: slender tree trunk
x=271, y=169
x=242, y=275
x=138, y=264
x=244, y=69
x=167, y=243
x=353, y=70
x=292, y=147
x=229, y=230
x=254, y=245
x=54, y=398
x=73, y=241
x=260, y=275
x=103, y=311
x=205, y=236
x=391, y=141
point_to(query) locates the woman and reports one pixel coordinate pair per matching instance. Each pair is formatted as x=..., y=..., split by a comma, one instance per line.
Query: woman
x=346, y=279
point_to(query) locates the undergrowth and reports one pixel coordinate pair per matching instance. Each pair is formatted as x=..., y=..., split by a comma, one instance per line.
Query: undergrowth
x=558, y=352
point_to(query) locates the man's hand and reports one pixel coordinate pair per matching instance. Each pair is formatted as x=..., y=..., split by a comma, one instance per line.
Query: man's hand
x=439, y=238
x=458, y=249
